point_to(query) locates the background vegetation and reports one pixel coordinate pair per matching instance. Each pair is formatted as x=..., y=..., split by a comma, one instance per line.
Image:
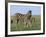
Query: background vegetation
x=20, y=27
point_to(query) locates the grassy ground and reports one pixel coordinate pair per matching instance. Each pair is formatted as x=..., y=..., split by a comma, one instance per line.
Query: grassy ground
x=20, y=27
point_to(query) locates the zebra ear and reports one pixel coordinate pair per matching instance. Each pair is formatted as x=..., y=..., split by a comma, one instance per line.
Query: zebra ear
x=29, y=11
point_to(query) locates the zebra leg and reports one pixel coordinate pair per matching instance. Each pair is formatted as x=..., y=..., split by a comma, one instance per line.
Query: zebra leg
x=17, y=21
